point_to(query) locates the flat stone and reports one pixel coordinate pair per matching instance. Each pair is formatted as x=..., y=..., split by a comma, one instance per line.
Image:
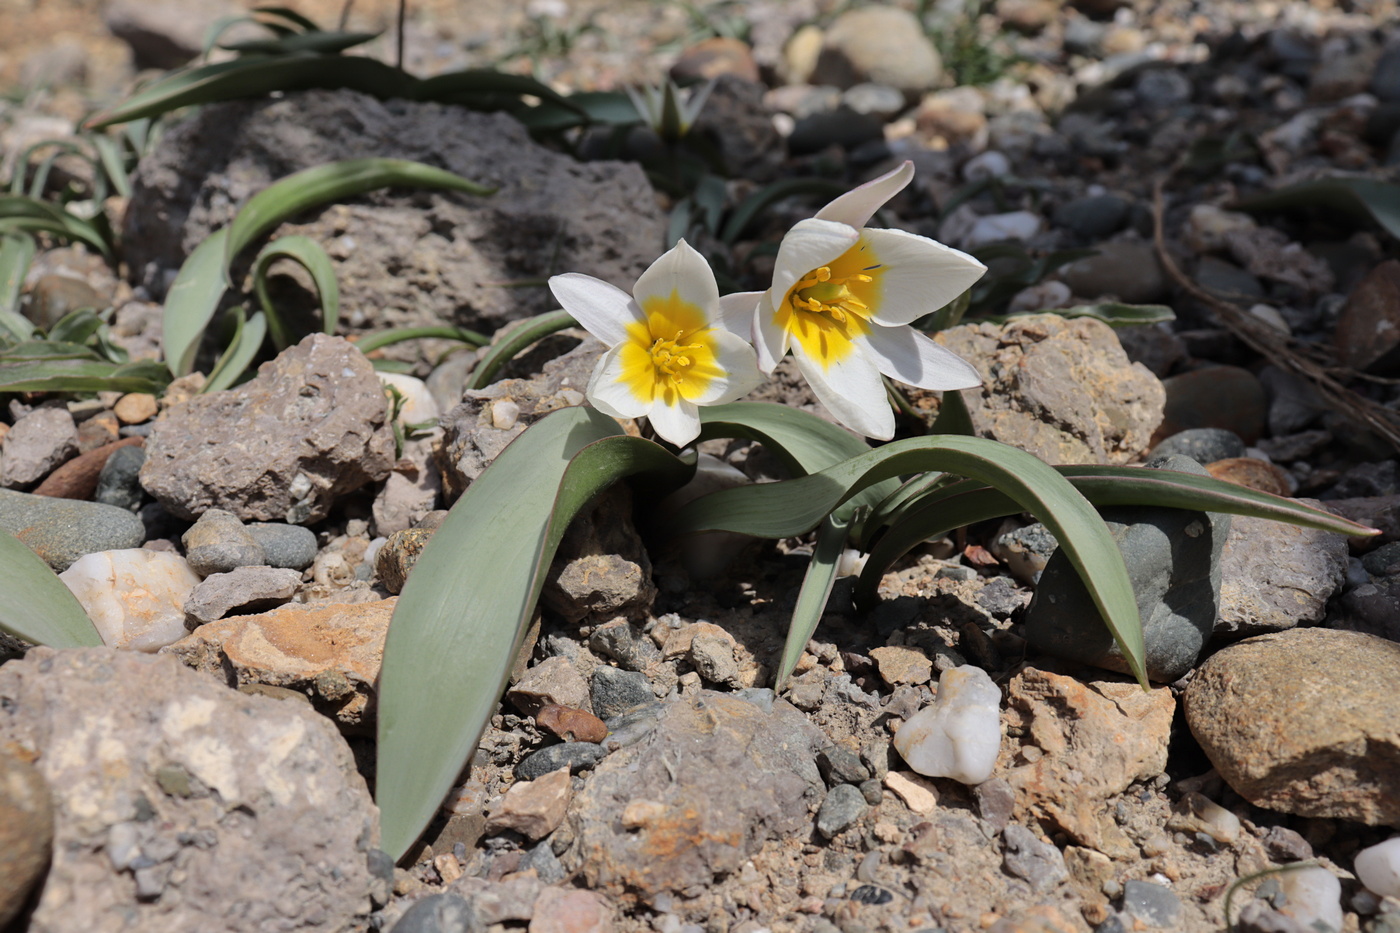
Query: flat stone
x=534, y=808
x=614, y=692
x=26, y=832
x=62, y=530
x=917, y=791
x=1061, y=389
x=843, y=806
x=331, y=652
x=218, y=543
x=252, y=589
x=902, y=665
x=1027, y=857
x=1125, y=269
x=700, y=794
x=1092, y=740
x=1305, y=722
x=1204, y=445
x=626, y=644
x=440, y=913
x=571, y=725
x=601, y=568
x=163, y=773
x=1193, y=401
x=1152, y=904
x=35, y=445
x=1275, y=576
x=879, y=44
x=77, y=478
x=575, y=756
x=311, y=426
x=552, y=681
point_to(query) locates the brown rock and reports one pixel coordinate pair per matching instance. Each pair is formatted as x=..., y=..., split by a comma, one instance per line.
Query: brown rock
x=1193, y=401
x=900, y=665
x=1274, y=575
x=534, y=808
x=332, y=652
x=77, y=479
x=1368, y=331
x=98, y=431
x=1042, y=918
x=1082, y=744
x=1063, y=390
x=601, y=567
x=1251, y=473
x=135, y=408
x=553, y=681
x=35, y=445
x=679, y=642
x=715, y=56
x=26, y=832
x=396, y=557
x=1305, y=721
x=571, y=725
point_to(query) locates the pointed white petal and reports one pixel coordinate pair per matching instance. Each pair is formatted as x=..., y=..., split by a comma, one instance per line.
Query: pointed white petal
x=610, y=393
x=809, y=245
x=736, y=357
x=905, y=354
x=852, y=391
x=679, y=423
x=603, y=310
x=856, y=207
x=736, y=312
x=680, y=270
x=769, y=339
x=917, y=276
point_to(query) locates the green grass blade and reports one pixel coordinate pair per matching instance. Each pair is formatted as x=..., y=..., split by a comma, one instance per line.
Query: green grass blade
x=255, y=76
x=298, y=20
x=749, y=209
x=113, y=164
x=190, y=303
x=812, y=597
x=325, y=184
x=248, y=337
x=76, y=327
x=20, y=214
x=322, y=43
x=307, y=253
x=88, y=375
x=371, y=342
x=516, y=340
x=38, y=607
x=16, y=254
x=460, y=620
x=796, y=506
x=461, y=86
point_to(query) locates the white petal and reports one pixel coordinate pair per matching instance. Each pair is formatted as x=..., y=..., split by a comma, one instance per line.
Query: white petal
x=736, y=357
x=678, y=424
x=917, y=275
x=683, y=270
x=856, y=207
x=609, y=393
x=736, y=312
x=905, y=354
x=604, y=310
x=810, y=244
x=851, y=389
x=770, y=340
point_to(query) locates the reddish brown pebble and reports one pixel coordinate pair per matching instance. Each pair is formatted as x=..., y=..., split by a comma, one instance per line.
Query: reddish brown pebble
x=77, y=479
x=1251, y=473
x=571, y=725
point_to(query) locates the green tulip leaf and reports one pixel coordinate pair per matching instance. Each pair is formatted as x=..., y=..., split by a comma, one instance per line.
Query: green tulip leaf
x=37, y=606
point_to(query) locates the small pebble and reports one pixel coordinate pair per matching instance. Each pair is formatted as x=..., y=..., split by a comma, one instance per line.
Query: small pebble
x=843, y=805
x=1378, y=867
x=1153, y=905
x=292, y=547
x=576, y=756
x=218, y=543
x=959, y=734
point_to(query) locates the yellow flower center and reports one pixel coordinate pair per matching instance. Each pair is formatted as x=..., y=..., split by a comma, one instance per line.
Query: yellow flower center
x=671, y=354
x=831, y=306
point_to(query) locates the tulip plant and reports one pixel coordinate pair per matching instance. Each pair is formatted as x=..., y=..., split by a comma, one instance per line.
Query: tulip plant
x=679, y=355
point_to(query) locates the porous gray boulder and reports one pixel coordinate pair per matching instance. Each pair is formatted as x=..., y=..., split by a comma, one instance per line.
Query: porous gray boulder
x=402, y=257
x=182, y=805
x=311, y=426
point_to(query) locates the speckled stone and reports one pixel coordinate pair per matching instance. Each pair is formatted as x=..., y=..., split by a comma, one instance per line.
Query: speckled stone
x=292, y=547
x=62, y=530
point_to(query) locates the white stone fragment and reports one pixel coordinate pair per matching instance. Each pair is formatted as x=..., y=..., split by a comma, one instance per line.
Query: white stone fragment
x=1379, y=867
x=504, y=414
x=1313, y=897
x=959, y=735
x=1016, y=225
x=418, y=403
x=135, y=597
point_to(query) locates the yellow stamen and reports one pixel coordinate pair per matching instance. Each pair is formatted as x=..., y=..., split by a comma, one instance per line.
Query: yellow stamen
x=831, y=305
x=672, y=353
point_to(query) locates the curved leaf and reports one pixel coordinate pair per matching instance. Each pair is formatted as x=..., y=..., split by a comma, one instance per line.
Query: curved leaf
x=458, y=625
x=190, y=303
x=749, y=209
x=813, y=596
x=455, y=86
x=326, y=184
x=37, y=606
x=324, y=43
x=383, y=338
x=1359, y=197
x=513, y=342
x=75, y=375
x=307, y=253
x=798, y=505
x=248, y=336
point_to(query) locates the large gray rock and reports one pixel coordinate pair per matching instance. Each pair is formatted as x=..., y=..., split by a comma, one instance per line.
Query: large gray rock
x=403, y=257
x=1061, y=389
x=311, y=426
x=35, y=445
x=1305, y=721
x=1173, y=560
x=62, y=530
x=26, y=833
x=698, y=796
x=1275, y=576
x=182, y=805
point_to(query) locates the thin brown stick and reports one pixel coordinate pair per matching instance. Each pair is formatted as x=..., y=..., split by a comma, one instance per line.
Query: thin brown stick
x=1272, y=343
x=403, y=11
x=345, y=15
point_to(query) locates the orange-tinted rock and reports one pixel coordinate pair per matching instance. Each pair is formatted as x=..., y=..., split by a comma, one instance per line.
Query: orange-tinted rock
x=77, y=479
x=571, y=725
x=1214, y=397
x=715, y=56
x=1252, y=473
x=534, y=808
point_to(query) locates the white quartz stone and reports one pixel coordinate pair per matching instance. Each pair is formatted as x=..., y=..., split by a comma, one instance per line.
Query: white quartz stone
x=959, y=734
x=1379, y=867
x=135, y=598
x=1313, y=896
x=418, y=404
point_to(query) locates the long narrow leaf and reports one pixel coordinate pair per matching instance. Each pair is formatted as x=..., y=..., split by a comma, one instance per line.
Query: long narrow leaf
x=512, y=343
x=81, y=376
x=812, y=598
x=1361, y=197
x=325, y=184
x=16, y=254
x=379, y=339
x=37, y=606
x=798, y=505
x=768, y=195
x=190, y=303
x=325, y=43
x=461, y=618
x=247, y=339
x=307, y=253
x=453, y=86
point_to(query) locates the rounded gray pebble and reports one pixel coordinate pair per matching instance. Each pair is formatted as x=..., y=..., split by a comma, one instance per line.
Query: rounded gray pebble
x=1204, y=445
x=840, y=765
x=614, y=692
x=218, y=543
x=440, y=913
x=62, y=530
x=578, y=756
x=1094, y=216
x=1153, y=904
x=119, y=484
x=844, y=804
x=292, y=547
